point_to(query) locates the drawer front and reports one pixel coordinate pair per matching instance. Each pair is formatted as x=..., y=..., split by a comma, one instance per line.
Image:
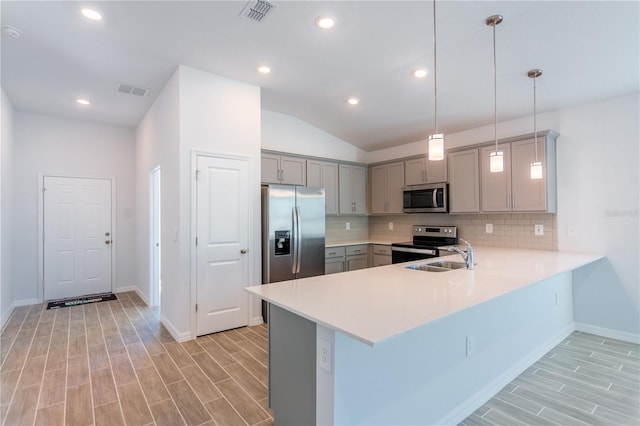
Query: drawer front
x=381, y=260
x=381, y=249
x=357, y=249
x=357, y=262
x=330, y=252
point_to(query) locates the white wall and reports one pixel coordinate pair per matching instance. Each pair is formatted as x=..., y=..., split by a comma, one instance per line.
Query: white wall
x=598, y=186
x=48, y=145
x=281, y=132
x=6, y=226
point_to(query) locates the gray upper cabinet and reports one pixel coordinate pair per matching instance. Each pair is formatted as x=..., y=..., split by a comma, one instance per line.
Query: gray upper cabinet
x=353, y=189
x=513, y=189
x=283, y=169
x=387, y=182
x=323, y=174
x=464, y=182
x=419, y=171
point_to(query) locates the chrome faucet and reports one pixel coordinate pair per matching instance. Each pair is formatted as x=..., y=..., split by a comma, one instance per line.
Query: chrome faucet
x=468, y=256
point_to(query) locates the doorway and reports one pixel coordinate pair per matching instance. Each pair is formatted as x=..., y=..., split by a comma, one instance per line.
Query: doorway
x=155, y=240
x=77, y=252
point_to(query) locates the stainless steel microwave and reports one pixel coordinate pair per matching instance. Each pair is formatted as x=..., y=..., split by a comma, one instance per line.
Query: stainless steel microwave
x=431, y=198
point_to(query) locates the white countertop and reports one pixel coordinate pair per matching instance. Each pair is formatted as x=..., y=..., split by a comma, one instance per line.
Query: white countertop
x=357, y=242
x=375, y=304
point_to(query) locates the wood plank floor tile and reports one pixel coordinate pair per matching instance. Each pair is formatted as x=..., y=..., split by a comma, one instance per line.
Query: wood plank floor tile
x=167, y=368
x=516, y=412
x=152, y=385
x=250, y=411
x=77, y=328
x=188, y=403
x=79, y=409
x=153, y=346
x=248, y=382
x=53, y=387
x=191, y=346
x=77, y=345
x=16, y=358
x=139, y=357
x=223, y=413
x=616, y=416
x=166, y=413
x=129, y=334
x=257, y=339
x=60, y=337
x=78, y=371
x=200, y=383
x=211, y=368
x=220, y=355
x=108, y=415
x=98, y=357
x=94, y=336
x=225, y=342
x=499, y=418
x=256, y=352
x=39, y=347
x=103, y=386
x=122, y=369
x=134, y=407
x=44, y=330
x=621, y=403
x=32, y=372
x=234, y=335
x=57, y=357
x=50, y=416
x=8, y=384
x=559, y=418
x=252, y=365
x=529, y=406
x=178, y=354
x=114, y=344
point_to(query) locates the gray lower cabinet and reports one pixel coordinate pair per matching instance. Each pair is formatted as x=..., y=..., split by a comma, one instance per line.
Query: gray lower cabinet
x=357, y=257
x=381, y=255
x=334, y=260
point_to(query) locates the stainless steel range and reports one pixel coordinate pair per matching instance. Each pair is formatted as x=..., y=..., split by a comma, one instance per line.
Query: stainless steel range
x=426, y=240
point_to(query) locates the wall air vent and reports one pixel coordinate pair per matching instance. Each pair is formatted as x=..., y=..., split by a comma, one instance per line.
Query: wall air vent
x=257, y=10
x=130, y=89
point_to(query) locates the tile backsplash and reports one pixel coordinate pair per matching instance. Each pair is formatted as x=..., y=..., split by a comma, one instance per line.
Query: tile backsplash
x=509, y=229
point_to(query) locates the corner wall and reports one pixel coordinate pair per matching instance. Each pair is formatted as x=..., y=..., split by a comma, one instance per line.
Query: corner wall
x=6, y=222
x=52, y=146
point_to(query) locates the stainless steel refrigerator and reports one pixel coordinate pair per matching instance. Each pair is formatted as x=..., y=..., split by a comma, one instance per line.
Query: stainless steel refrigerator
x=293, y=227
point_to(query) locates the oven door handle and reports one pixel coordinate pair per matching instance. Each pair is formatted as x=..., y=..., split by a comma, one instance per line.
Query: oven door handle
x=413, y=250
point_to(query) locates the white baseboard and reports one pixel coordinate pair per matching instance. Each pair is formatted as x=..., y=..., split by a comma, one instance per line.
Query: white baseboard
x=180, y=337
x=6, y=315
x=479, y=398
x=26, y=302
x=608, y=332
x=256, y=321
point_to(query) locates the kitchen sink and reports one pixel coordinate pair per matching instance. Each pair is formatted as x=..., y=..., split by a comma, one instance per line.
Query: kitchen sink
x=441, y=266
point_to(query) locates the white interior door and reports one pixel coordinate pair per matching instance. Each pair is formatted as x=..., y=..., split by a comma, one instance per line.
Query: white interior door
x=222, y=227
x=77, y=237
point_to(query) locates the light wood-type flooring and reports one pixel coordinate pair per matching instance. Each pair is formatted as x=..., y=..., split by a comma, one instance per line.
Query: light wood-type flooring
x=113, y=363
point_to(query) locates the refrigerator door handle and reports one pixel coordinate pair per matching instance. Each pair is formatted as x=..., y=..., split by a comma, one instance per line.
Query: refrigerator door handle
x=298, y=237
x=294, y=240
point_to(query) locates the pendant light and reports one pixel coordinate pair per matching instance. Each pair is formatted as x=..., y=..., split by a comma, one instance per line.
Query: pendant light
x=496, y=158
x=436, y=140
x=536, y=166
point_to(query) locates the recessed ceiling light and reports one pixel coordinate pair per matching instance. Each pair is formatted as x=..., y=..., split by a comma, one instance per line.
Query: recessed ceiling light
x=91, y=14
x=325, y=22
x=83, y=101
x=420, y=73
x=353, y=101
x=263, y=69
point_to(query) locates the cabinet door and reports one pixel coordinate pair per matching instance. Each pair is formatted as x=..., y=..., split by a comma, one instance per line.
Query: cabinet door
x=294, y=170
x=330, y=184
x=464, y=182
x=395, y=185
x=414, y=172
x=357, y=262
x=436, y=170
x=333, y=266
x=528, y=194
x=346, y=202
x=314, y=174
x=270, y=165
x=359, y=189
x=495, y=187
x=381, y=260
x=379, y=189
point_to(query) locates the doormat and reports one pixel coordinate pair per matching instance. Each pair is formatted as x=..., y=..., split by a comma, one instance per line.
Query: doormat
x=65, y=303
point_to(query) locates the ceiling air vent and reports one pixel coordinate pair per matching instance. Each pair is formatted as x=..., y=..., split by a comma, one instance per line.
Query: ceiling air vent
x=130, y=89
x=257, y=10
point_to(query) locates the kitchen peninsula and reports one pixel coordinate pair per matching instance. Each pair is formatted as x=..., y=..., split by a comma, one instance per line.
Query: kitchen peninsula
x=392, y=345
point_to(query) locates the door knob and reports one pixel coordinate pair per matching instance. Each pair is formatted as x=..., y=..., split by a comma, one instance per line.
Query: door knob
x=106, y=234
x=244, y=251
x=107, y=242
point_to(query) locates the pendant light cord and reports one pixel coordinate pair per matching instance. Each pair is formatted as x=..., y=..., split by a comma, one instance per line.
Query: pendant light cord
x=495, y=91
x=435, y=72
x=535, y=124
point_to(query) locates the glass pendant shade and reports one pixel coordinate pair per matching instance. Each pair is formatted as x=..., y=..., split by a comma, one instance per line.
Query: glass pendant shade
x=496, y=161
x=536, y=170
x=436, y=147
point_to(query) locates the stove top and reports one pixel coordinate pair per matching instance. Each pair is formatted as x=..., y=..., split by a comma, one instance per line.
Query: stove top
x=429, y=236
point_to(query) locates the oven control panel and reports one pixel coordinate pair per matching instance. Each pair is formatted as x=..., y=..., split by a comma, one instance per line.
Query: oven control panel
x=435, y=231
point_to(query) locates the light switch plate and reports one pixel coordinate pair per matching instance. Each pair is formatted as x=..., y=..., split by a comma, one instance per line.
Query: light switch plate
x=325, y=355
x=348, y=226
x=538, y=229
x=489, y=228
x=390, y=226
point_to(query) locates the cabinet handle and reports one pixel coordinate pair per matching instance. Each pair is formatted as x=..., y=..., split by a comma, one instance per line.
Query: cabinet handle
x=332, y=252
x=513, y=203
x=508, y=201
x=424, y=175
x=356, y=251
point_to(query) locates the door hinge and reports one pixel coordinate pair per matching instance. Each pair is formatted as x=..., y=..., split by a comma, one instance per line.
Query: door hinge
x=196, y=241
x=196, y=307
x=198, y=173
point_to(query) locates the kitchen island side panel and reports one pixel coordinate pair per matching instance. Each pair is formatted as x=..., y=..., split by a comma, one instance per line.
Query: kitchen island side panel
x=425, y=376
x=292, y=368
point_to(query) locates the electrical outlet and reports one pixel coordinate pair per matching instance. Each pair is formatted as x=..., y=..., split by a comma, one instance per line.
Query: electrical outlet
x=470, y=345
x=324, y=355
x=556, y=298
x=390, y=226
x=488, y=228
x=348, y=226
x=571, y=231
x=538, y=229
